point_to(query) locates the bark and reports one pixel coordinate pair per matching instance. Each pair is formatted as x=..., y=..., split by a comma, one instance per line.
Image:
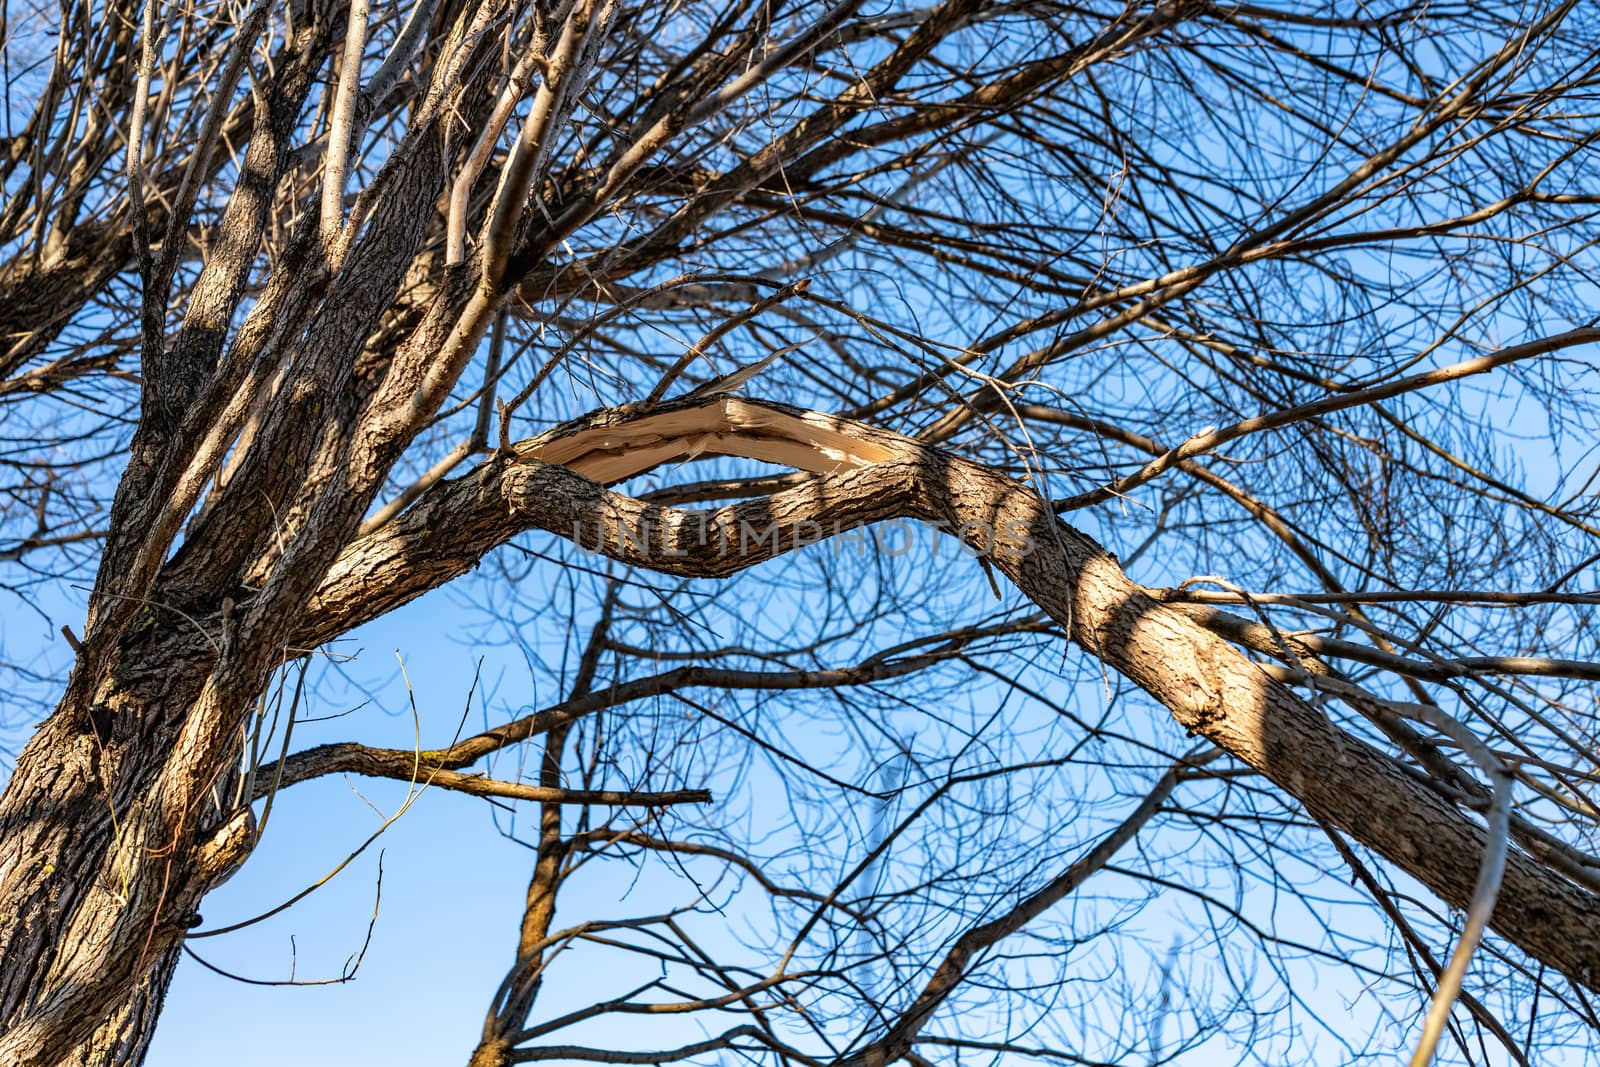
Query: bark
x=117, y=819
x=92, y=918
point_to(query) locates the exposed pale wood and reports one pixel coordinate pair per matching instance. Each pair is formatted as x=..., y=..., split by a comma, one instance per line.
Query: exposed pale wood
x=721, y=426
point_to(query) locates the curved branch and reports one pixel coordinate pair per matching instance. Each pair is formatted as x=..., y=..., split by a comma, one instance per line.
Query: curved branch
x=869, y=475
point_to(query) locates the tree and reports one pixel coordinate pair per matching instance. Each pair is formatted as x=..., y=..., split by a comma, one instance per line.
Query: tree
x=344, y=302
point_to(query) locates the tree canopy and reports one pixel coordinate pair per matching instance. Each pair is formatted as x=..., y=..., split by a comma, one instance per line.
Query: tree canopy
x=978, y=487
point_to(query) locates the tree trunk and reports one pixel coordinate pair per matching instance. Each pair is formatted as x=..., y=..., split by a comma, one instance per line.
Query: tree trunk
x=98, y=882
x=124, y=1037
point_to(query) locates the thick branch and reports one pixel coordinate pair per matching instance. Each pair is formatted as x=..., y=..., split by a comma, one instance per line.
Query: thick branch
x=869, y=475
